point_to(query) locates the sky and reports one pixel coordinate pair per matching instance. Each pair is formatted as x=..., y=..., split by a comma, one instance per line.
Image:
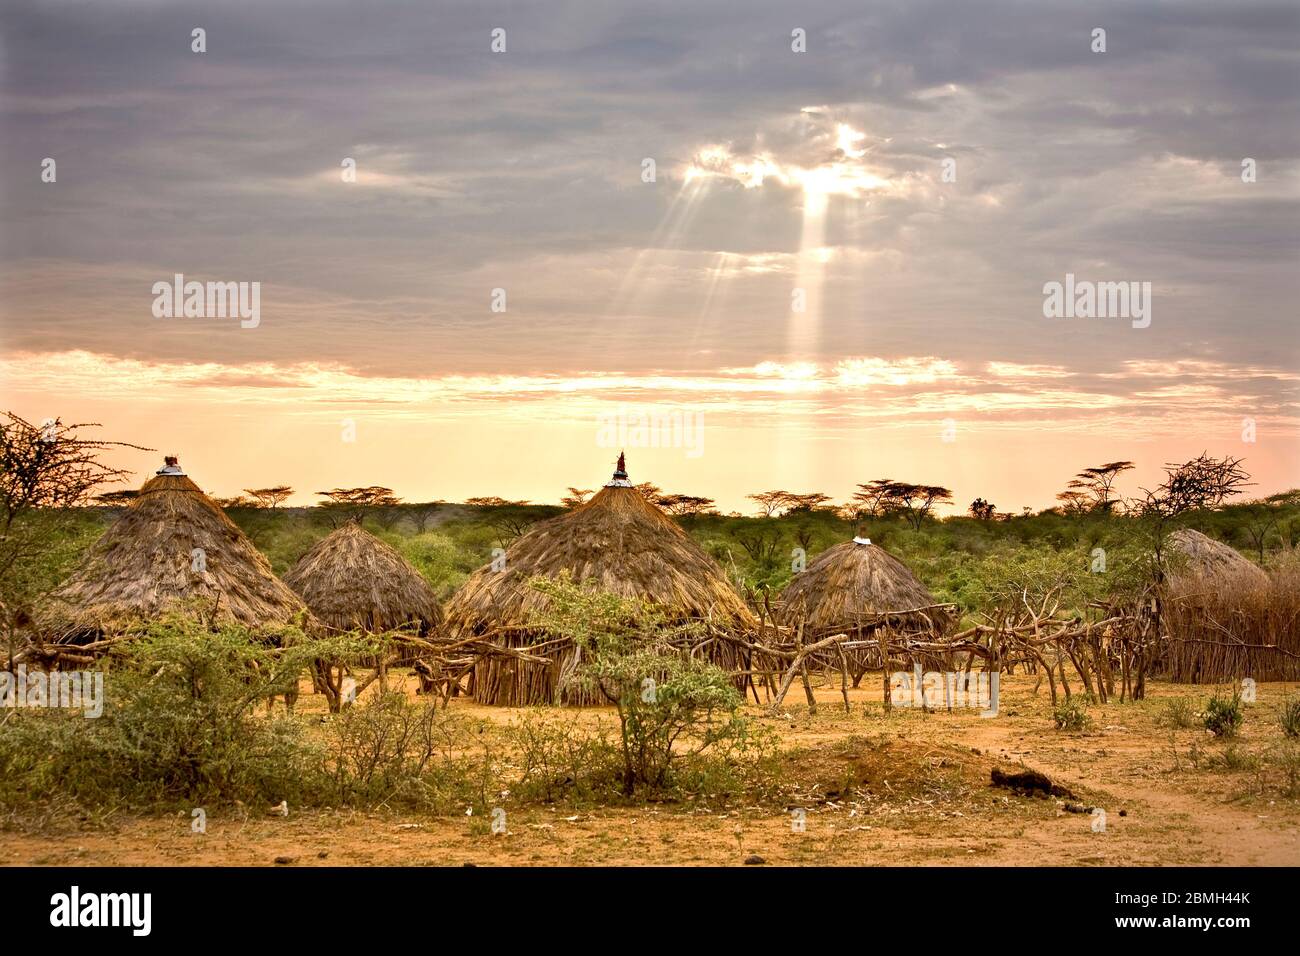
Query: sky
x=834, y=271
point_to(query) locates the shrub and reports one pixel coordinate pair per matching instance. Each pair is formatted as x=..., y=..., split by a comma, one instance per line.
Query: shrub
x=1178, y=713
x=558, y=759
x=1223, y=715
x=178, y=724
x=1071, y=714
x=1290, y=718
x=673, y=708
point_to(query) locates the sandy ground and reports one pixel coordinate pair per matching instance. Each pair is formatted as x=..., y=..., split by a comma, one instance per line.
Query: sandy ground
x=904, y=789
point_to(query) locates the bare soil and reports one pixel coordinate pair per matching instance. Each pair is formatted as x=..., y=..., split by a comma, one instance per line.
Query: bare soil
x=901, y=789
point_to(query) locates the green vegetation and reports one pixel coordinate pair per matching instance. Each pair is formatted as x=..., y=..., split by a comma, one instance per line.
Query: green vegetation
x=1071, y=714
x=678, y=715
x=1291, y=718
x=1177, y=714
x=182, y=727
x=1223, y=715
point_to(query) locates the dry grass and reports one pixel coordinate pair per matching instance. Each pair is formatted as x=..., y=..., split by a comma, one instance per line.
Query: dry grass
x=352, y=580
x=146, y=563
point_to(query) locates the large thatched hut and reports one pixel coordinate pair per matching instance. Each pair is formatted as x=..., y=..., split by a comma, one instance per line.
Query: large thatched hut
x=858, y=585
x=352, y=580
x=173, y=548
x=617, y=542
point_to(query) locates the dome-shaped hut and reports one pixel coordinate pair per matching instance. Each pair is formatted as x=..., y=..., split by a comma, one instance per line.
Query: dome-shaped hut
x=1195, y=555
x=617, y=542
x=353, y=581
x=172, y=548
x=857, y=585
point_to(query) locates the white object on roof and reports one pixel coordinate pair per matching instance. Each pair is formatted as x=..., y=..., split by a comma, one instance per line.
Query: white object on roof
x=861, y=540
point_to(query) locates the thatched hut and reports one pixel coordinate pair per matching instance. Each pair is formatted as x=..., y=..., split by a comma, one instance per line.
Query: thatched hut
x=1196, y=555
x=859, y=588
x=172, y=548
x=1223, y=617
x=617, y=542
x=353, y=581
x=858, y=585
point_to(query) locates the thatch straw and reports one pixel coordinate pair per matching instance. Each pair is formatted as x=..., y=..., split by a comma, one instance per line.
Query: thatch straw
x=352, y=580
x=1217, y=563
x=851, y=585
x=617, y=542
x=145, y=565
x=1225, y=618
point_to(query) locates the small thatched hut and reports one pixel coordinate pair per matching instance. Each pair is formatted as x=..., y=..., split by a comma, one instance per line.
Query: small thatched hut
x=618, y=542
x=850, y=586
x=1197, y=555
x=172, y=548
x=352, y=580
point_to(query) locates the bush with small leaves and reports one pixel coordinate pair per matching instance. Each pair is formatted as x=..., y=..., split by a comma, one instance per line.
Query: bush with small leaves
x=1177, y=713
x=1071, y=714
x=1223, y=715
x=1290, y=718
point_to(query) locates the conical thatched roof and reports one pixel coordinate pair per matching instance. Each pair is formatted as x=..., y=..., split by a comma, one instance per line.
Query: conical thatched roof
x=851, y=584
x=351, y=579
x=1202, y=556
x=172, y=546
x=619, y=542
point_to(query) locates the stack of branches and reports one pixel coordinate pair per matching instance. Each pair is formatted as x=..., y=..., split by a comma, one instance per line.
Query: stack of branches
x=1109, y=649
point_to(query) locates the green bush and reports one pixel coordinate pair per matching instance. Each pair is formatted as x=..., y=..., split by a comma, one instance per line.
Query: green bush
x=675, y=711
x=1071, y=714
x=1290, y=718
x=178, y=725
x=1223, y=715
x=1177, y=712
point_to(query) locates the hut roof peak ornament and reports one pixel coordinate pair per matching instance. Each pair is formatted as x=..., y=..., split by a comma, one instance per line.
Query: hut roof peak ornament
x=857, y=540
x=620, y=479
x=171, y=466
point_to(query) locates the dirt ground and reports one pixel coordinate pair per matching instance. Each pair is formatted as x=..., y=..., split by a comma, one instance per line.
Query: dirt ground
x=901, y=789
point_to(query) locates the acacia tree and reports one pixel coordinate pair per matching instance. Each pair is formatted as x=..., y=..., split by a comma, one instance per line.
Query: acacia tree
x=1090, y=489
x=576, y=497
x=687, y=506
x=509, y=519
x=771, y=503
x=45, y=471
x=270, y=497
x=983, y=510
x=872, y=498
x=806, y=503
x=346, y=503
x=917, y=502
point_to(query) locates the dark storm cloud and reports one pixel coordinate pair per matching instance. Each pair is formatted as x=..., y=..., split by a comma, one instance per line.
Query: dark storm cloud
x=522, y=171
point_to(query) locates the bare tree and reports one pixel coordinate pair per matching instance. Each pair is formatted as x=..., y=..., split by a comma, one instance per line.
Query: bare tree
x=45, y=471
